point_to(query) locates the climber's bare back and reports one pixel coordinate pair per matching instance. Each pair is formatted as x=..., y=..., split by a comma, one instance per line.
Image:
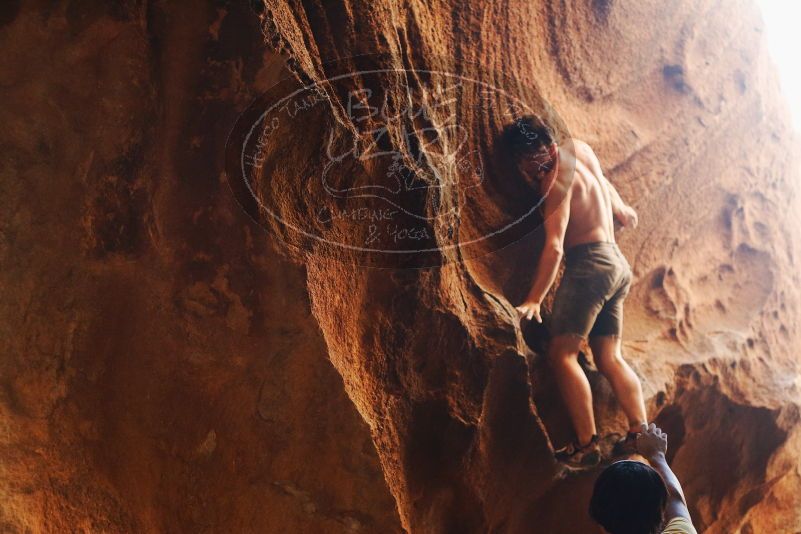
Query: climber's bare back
x=591, y=217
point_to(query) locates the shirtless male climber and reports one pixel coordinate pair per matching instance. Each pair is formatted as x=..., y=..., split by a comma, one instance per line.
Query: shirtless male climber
x=579, y=210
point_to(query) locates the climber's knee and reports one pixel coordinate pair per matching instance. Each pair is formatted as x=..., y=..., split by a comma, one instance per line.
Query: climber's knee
x=610, y=365
x=606, y=352
x=564, y=347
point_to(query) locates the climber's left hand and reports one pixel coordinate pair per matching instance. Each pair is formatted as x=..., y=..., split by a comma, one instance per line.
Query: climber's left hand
x=530, y=310
x=627, y=217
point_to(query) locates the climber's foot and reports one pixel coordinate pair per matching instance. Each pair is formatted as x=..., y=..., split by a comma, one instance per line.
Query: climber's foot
x=578, y=456
x=625, y=446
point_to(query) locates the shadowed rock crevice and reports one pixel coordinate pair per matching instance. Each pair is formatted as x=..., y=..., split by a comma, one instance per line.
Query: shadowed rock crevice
x=733, y=442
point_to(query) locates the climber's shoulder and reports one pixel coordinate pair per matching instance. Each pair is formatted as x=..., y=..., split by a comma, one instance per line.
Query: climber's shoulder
x=572, y=152
x=565, y=180
x=559, y=188
x=580, y=149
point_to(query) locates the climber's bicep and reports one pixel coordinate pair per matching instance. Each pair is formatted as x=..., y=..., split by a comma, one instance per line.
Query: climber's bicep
x=557, y=216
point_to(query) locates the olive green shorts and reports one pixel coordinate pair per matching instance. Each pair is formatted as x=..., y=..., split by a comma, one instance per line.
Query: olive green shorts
x=589, y=299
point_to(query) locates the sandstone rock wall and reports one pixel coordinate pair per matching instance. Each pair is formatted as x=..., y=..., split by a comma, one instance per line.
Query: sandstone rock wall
x=163, y=364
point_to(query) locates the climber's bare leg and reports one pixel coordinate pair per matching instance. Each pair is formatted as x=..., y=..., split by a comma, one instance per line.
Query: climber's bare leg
x=609, y=360
x=573, y=384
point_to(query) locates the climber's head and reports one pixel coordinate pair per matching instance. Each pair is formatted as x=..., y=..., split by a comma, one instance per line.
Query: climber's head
x=531, y=144
x=629, y=498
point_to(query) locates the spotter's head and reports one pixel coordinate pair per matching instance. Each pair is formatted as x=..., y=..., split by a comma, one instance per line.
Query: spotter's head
x=629, y=498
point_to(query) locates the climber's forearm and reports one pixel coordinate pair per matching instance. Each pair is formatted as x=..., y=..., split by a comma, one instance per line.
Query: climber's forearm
x=617, y=202
x=547, y=269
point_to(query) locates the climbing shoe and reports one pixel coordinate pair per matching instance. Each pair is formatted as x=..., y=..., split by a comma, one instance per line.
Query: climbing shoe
x=580, y=456
x=626, y=446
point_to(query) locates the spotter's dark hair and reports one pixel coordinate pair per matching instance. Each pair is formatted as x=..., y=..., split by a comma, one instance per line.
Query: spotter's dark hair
x=527, y=135
x=629, y=498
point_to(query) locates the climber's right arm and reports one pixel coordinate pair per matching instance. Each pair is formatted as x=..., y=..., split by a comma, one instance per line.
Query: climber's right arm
x=557, y=215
